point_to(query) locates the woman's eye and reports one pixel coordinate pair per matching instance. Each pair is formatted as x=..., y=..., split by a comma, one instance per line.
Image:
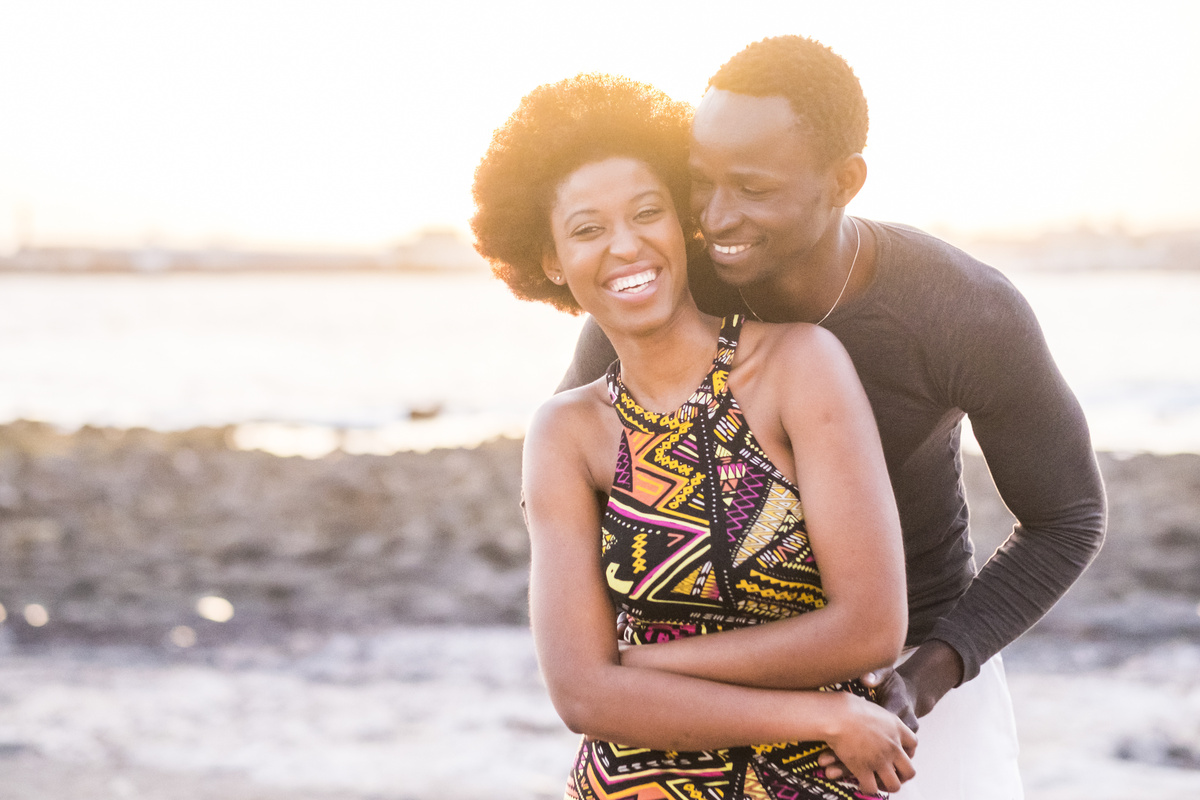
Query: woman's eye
x=585, y=230
x=649, y=213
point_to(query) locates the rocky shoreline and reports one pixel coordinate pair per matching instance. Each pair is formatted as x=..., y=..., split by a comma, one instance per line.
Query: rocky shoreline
x=377, y=648
x=116, y=534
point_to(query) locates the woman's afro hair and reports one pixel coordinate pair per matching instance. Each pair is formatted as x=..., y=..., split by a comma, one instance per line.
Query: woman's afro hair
x=556, y=129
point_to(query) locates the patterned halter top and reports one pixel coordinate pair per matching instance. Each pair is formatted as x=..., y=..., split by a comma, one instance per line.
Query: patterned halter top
x=702, y=533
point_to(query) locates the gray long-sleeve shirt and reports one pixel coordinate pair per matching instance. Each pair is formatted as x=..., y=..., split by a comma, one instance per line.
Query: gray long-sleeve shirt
x=938, y=335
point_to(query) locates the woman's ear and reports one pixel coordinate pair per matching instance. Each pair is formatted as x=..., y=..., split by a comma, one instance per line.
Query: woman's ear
x=552, y=267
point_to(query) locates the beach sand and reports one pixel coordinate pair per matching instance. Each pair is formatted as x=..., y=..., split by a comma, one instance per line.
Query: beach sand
x=378, y=647
x=442, y=713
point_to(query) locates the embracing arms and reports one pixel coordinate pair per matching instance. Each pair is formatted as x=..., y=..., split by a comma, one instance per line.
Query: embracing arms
x=802, y=398
x=574, y=631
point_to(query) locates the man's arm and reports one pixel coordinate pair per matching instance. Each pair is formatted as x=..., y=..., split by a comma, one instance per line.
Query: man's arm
x=1036, y=442
x=593, y=354
x=1034, y=436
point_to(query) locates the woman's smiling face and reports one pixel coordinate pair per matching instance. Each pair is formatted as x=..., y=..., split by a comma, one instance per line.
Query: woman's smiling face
x=618, y=244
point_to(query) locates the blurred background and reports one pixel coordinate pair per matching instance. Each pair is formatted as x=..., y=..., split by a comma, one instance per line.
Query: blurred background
x=260, y=402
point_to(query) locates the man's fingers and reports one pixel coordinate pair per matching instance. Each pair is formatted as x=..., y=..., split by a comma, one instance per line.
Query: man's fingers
x=893, y=694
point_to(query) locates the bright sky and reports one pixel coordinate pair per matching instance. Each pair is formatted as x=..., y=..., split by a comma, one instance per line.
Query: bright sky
x=350, y=124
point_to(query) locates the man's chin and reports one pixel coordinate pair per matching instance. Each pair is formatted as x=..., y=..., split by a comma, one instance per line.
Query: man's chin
x=734, y=275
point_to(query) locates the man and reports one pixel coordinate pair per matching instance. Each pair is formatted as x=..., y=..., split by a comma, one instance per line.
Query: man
x=934, y=334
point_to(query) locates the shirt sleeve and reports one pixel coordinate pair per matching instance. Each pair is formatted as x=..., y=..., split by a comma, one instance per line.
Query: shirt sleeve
x=1037, y=446
x=593, y=354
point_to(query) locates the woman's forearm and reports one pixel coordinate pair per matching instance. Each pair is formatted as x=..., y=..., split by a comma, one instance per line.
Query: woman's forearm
x=666, y=711
x=662, y=711
x=803, y=652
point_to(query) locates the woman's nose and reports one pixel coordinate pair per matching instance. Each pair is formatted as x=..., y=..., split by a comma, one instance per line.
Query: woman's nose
x=625, y=242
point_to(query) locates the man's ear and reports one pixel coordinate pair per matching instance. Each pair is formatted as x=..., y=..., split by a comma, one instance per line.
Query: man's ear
x=552, y=267
x=850, y=175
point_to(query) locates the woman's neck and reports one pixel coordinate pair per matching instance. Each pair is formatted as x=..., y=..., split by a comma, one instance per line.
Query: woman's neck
x=663, y=367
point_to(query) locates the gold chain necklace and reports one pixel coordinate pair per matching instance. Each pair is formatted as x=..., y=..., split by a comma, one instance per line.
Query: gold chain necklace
x=857, y=245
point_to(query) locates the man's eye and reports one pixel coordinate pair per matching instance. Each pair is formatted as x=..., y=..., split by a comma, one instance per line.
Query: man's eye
x=753, y=191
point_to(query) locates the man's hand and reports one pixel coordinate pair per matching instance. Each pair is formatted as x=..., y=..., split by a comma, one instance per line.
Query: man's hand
x=910, y=690
x=932, y=670
x=895, y=693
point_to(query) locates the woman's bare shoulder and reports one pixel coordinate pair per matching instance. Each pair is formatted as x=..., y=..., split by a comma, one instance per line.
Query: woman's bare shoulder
x=574, y=424
x=572, y=408
x=574, y=433
x=792, y=347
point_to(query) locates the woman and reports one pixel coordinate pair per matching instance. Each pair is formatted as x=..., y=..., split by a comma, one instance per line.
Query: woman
x=647, y=493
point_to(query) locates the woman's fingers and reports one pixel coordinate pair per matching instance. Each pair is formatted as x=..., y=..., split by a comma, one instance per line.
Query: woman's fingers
x=908, y=740
x=828, y=761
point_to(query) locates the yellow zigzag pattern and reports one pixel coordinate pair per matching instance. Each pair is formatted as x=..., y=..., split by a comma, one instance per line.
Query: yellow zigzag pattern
x=804, y=754
x=639, y=553
x=685, y=492
x=808, y=598
x=761, y=609
x=786, y=584
x=664, y=459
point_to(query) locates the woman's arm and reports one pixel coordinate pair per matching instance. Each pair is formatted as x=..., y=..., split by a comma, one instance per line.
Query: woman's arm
x=573, y=625
x=802, y=394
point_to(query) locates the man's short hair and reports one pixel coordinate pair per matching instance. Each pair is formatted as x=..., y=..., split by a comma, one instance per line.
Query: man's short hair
x=823, y=91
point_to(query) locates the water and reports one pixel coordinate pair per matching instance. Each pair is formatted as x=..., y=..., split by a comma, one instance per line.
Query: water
x=310, y=361
x=304, y=363
x=1129, y=345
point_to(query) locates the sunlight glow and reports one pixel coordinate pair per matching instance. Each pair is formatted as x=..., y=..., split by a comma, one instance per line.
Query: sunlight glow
x=36, y=615
x=215, y=609
x=182, y=636
x=304, y=124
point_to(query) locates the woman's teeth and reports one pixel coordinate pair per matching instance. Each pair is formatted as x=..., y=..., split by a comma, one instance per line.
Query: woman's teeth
x=633, y=282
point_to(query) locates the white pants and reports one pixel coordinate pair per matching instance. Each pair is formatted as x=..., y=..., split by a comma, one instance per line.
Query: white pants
x=967, y=745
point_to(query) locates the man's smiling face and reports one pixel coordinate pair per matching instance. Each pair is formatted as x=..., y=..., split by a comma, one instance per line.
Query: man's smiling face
x=759, y=190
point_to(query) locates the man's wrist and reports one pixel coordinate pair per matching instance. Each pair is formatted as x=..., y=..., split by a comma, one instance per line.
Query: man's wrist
x=932, y=670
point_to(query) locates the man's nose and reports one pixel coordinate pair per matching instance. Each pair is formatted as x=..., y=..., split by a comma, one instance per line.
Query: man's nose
x=719, y=214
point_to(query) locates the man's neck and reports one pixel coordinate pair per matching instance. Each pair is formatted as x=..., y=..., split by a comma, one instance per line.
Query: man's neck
x=819, y=281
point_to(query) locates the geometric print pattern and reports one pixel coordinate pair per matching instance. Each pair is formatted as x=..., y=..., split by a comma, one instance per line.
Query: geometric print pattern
x=702, y=533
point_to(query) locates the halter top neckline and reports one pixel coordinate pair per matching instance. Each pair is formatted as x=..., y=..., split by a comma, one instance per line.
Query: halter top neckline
x=711, y=388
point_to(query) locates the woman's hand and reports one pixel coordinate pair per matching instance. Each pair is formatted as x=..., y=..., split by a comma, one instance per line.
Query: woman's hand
x=874, y=745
